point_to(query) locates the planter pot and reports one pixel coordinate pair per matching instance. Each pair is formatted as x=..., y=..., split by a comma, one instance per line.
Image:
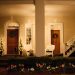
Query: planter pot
x=20, y=52
x=0, y=52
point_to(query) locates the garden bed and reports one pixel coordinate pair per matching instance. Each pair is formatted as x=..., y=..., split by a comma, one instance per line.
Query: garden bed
x=39, y=64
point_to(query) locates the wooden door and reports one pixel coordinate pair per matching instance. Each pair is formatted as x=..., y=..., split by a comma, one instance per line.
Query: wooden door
x=12, y=41
x=55, y=40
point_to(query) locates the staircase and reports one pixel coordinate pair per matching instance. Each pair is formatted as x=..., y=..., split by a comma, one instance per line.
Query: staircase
x=70, y=47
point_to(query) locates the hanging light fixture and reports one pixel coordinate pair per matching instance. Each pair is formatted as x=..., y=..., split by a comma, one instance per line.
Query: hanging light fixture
x=12, y=23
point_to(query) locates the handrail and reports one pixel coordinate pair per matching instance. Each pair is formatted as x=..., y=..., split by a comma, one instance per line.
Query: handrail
x=69, y=45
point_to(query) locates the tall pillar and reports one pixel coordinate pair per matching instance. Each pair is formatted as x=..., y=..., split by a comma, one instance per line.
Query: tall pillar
x=39, y=28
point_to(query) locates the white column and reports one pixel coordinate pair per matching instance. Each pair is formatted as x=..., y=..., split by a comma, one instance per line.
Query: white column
x=39, y=28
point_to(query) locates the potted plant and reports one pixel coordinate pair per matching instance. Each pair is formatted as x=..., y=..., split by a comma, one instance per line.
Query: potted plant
x=1, y=47
x=31, y=52
x=20, y=48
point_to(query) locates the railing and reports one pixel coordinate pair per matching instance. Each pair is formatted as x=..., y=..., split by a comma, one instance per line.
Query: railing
x=70, y=47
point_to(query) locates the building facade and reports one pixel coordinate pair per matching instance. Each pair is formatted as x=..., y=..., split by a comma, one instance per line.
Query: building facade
x=40, y=25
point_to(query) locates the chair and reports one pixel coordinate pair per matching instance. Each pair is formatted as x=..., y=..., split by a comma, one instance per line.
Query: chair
x=50, y=49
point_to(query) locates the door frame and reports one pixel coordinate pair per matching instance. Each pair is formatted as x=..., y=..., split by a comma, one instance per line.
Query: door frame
x=58, y=26
x=54, y=26
x=9, y=25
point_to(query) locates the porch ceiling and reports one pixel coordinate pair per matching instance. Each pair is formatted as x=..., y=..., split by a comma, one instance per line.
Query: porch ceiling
x=27, y=7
